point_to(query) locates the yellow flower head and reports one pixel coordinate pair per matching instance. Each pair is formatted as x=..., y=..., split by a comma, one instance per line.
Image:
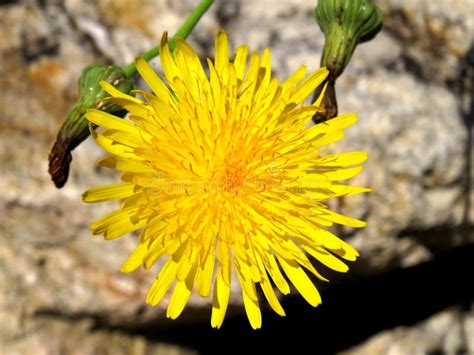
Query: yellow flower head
x=223, y=177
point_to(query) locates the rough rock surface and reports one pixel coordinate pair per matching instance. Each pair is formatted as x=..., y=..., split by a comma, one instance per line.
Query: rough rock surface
x=406, y=86
x=447, y=332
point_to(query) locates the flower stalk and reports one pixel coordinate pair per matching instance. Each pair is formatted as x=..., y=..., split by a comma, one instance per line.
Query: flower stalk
x=183, y=32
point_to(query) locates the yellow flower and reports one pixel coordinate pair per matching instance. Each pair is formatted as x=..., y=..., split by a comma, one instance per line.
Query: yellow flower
x=223, y=177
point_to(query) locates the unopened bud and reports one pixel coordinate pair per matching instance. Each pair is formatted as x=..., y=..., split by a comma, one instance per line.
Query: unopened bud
x=75, y=128
x=345, y=24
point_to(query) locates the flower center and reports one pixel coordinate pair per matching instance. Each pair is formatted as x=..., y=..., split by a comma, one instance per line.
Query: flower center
x=233, y=180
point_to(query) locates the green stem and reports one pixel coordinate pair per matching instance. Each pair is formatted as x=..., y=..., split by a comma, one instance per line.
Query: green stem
x=183, y=32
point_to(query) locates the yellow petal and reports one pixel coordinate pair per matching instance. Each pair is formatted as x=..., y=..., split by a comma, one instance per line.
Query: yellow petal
x=125, y=138
x=240, y=61
x=114, y=92
x=129, y=165
x=320, y=98
x=343, y=159
x=271, y=297
x=267, y=65
x=295, y=78
x=340, y=219
x=119, y=222
x=152, y=79
x=220, y=300
x=342, y=174
x=347, y=252
x=111, y=147
x=156, y=251
x=301, y=281
x=162, y=283
x=192, y=58
x=327, y=138
x=134, y=261
x=327, y=258
x=108, y=192
x=335, y=124
x=106, y=120
x=309, y=84
x=246, y=283
x=347, y=190
x=276, y=275
x=224, y=258
x=204, y=275
x=253, y=311
x=167, y=62
x=180, y=296
x=130, y=106
x=268, y=291
x=221, y=51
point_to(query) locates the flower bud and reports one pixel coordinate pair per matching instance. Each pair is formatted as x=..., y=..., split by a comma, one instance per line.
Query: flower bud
x=345, y=24
x=75, y=128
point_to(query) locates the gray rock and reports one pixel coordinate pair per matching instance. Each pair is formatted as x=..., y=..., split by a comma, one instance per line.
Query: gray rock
x=416, y=158
x=57, y=278
x=468, y=328
x=47, y=335
x=271, y=24
x=442, y=333
x=435, y=35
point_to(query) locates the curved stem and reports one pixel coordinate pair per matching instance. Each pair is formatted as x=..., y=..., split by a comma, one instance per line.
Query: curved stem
x=183, y=32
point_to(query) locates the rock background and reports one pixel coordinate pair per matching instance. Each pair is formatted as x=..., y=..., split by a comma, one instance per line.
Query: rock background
x=60, y=289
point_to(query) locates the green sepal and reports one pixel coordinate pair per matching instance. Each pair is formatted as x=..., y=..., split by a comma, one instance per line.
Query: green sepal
x=345, y=24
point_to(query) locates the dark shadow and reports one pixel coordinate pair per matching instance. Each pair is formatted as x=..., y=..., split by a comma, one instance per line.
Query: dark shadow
x=8, y=2
x=441, y=238
x=351, y=312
